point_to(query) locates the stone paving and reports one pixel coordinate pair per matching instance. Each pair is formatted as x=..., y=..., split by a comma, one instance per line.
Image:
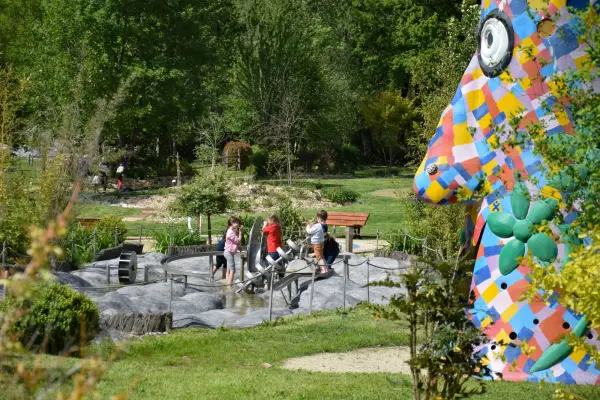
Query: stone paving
x=210, y=304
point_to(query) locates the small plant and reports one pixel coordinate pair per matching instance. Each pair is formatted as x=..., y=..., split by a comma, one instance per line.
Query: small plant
x=242, y=205
x=57, y=318
x=111, y=225
x=292, y=222
x=181, y=237
x=442, y=338
x=340, y=195
x=247, y=221
x=268, y=202
x=399, y=241
x=81, y=241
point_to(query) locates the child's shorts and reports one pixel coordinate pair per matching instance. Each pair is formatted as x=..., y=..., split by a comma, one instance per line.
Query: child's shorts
x=221, y=262
x=230, y=259
x=318, y=250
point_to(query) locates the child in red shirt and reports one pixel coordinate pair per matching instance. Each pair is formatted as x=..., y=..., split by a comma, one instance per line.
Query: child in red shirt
x=273, y=230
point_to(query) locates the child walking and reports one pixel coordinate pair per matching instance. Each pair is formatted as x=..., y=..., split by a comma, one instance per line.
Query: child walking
x=221, y=262
x=317, y=238
x=233, y=242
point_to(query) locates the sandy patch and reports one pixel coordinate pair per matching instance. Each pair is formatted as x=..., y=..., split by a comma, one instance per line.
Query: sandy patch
x=381, y=359
x=393, y=193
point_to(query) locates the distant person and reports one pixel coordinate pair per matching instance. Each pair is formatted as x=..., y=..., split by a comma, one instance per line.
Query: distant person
x=233, y=245
x=221, y=261
x=103, y=180
x=317, y=238
x=120, y=177
x=272, y=229
x=96, y=183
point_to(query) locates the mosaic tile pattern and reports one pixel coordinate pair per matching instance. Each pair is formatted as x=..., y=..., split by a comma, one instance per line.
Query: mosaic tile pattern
x=462, y=151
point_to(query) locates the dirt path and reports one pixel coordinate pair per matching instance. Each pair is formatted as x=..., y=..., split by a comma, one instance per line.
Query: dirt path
x=381, y=359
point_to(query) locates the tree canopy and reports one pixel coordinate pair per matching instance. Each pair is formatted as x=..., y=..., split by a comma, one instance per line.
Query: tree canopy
x=294, y=77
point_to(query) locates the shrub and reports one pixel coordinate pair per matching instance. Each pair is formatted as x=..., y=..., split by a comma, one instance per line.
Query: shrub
x=340, y=195
x=440, y=225
x=107, y=226
x=348, y=158
x=57, y=314
x=247, y=221
x=242, y=205
x=181, y=237
x=442, y=337
x=259, y=159
x=79, y=242
x=232, y=149
x=292, y=222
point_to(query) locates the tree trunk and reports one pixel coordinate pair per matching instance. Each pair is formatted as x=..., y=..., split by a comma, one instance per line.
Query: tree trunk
x=214, y=160
x=198, y=222
x=208, y=229
x=289, y=164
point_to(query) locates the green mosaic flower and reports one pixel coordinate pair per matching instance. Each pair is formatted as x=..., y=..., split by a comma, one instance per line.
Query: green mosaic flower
x=505, y=226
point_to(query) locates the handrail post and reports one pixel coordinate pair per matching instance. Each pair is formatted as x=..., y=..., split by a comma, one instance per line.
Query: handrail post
x=312, y=289
x=368, y=277
x=345, y=279
x=404, y=245
x=94, y=243
x=271, y=293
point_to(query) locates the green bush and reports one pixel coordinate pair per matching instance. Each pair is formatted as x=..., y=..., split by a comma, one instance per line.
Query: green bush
x=106, y=227
x=247, y=221
x=181, y=237
x=340, y=195
x=242, y=205
x=348, y=158
x=440, y=225
x=259, y=159
x=292, y=222
x=79, y=243
x=57, y=314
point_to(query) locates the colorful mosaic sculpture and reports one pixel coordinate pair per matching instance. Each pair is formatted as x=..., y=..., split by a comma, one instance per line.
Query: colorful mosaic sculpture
x=504, y=80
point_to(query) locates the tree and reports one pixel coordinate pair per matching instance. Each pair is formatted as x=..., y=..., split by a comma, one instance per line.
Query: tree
x=391, y=118
x=205, y=195
x=210, y=133
x=286, y=130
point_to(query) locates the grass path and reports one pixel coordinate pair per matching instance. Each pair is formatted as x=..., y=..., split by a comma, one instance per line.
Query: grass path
x=229, y=364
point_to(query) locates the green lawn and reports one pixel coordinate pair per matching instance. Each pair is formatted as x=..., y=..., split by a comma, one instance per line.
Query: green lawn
x=83, y=210
x=228, y=364
x=386, y=212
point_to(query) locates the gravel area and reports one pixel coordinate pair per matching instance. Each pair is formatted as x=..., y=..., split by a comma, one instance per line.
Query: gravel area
x=381, y=359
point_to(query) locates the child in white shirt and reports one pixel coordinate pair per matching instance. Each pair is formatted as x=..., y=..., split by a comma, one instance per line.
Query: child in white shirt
x=317, y=239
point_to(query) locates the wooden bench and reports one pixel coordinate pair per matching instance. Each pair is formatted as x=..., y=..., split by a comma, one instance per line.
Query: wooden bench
x=352, y=221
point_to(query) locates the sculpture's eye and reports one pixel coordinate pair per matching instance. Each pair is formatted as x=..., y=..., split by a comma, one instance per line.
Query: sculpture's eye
x=496, y=42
